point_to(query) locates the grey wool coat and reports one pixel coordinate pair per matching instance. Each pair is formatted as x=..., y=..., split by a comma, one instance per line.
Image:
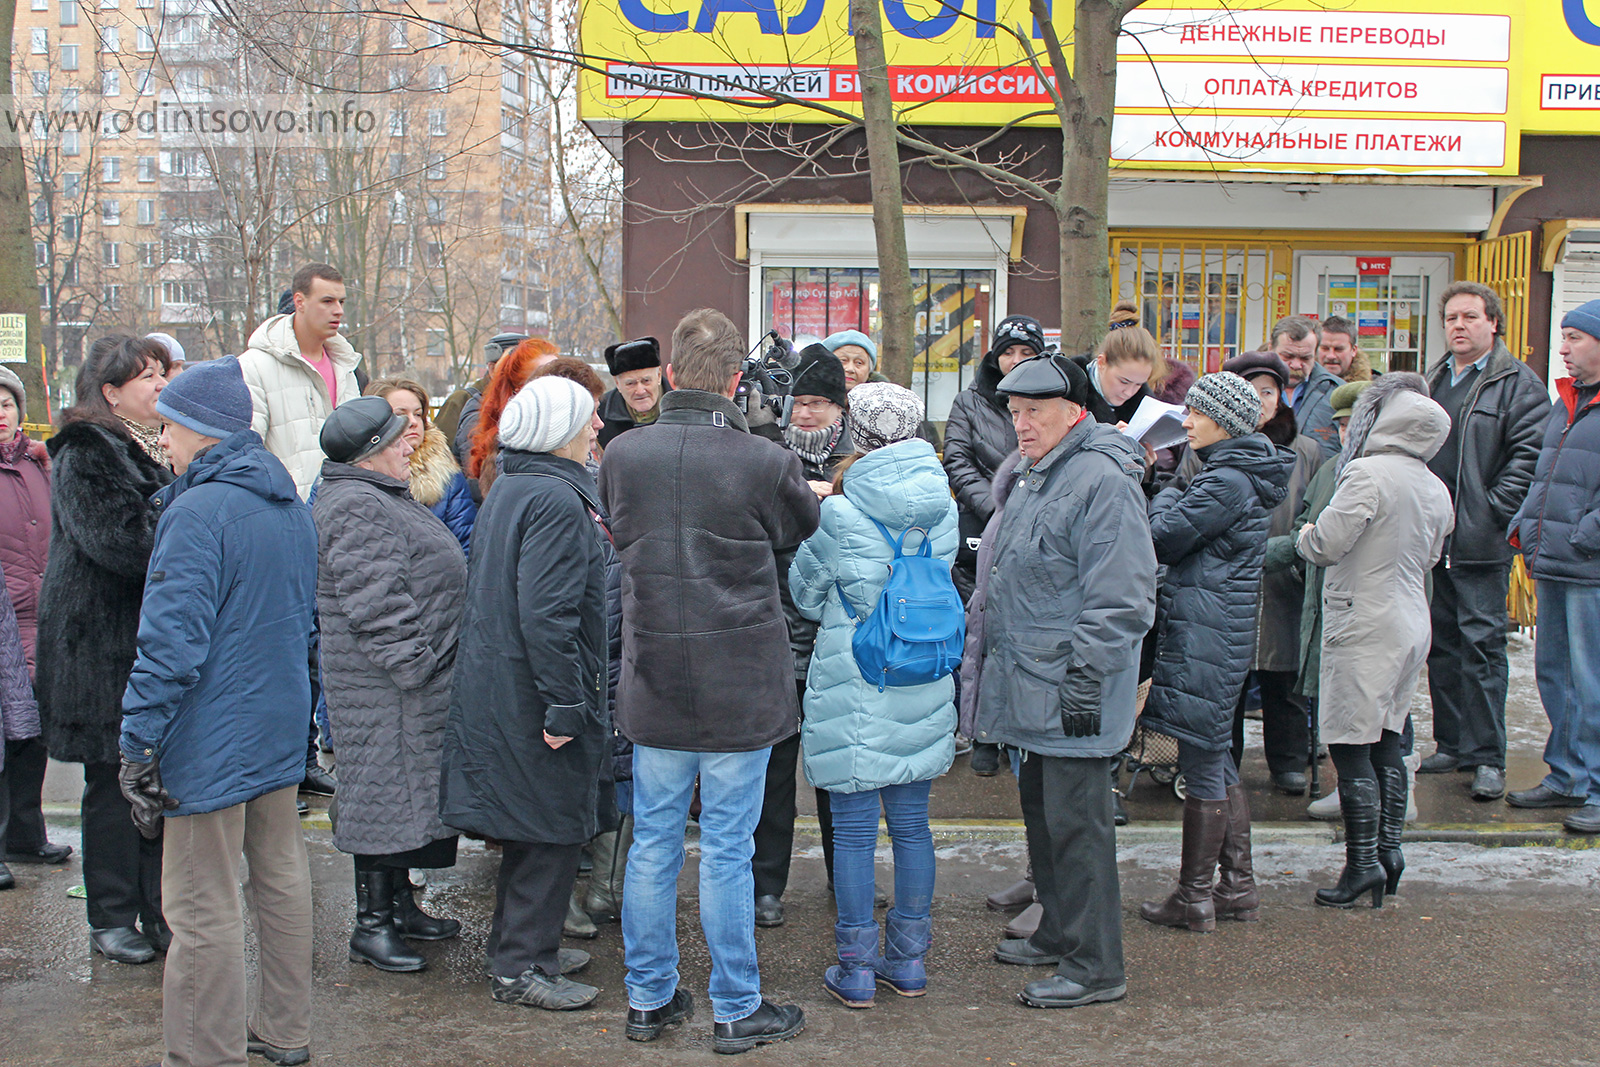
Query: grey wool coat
x=1379, y=538
x=391, y=588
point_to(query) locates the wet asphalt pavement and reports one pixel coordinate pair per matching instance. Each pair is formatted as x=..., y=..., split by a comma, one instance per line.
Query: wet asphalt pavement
x=1490, y=955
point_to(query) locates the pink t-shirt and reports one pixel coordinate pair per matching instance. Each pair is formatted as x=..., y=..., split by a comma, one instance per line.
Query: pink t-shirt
x=324, y=367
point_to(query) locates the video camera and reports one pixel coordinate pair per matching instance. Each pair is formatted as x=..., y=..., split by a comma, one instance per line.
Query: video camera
x=766, y=379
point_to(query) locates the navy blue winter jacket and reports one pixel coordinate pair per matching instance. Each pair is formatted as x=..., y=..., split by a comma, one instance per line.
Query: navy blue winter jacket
x=1558, y=525
x=219, y=691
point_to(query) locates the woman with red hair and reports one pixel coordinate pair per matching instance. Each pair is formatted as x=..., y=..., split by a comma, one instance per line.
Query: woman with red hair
x=511, y=372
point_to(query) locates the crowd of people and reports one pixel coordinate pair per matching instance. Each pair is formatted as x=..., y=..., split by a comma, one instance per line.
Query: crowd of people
x=517, y=619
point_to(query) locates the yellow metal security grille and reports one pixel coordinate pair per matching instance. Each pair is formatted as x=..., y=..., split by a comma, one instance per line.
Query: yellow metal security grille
x=1503, y=264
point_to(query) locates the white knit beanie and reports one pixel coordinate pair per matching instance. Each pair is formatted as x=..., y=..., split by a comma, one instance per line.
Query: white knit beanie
x=545, y=414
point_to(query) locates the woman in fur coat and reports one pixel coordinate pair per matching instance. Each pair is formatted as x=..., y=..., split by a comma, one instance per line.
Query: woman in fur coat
x=106, y=461
x=436, y=481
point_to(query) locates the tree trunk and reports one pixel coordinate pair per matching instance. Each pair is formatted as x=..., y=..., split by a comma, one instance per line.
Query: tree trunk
x=888, y=207
x=1081, y=208
x=19, y=287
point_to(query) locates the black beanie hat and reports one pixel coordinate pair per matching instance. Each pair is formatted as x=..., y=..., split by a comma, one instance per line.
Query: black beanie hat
x=1017, y=329
x=1045, y=377
x=626, y=356
x=819, y=373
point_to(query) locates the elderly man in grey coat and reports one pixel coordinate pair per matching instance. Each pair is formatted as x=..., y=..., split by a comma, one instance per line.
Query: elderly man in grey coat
x=1071, y=595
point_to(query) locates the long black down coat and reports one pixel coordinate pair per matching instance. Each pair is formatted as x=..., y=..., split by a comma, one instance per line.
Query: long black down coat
x=1212, y=539
x=977, y=439
x=700, y=507
x=532, y=661
x=102, y=528
x=391, y=586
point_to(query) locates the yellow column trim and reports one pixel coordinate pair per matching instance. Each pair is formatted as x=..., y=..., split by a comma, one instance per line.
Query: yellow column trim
x=1503, y=208
x=1554, y=236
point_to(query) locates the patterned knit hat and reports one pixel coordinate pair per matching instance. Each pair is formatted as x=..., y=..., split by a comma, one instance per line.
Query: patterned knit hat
x=882, y=413
x=1227, y=400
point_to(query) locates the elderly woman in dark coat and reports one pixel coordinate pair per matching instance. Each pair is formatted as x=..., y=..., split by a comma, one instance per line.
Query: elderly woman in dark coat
x=106, y=461
x=391, y=581
x=1212, y=538
x=528, y=724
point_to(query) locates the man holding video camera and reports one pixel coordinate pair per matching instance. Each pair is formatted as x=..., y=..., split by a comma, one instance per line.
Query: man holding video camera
x=699, y=509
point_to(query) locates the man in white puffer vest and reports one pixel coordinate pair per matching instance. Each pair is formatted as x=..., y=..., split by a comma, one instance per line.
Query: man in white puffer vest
x=299, y=369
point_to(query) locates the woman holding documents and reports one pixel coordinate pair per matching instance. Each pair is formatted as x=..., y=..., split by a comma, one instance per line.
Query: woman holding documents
x=1119, y=372
x=1277, y=660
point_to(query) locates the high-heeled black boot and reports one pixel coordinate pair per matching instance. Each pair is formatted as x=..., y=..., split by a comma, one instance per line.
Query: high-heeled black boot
x=375, y=939
x=1392, y=786
x=1358, y=806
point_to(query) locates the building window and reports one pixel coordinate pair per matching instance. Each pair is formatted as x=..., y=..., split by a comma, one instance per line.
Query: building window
x=144, y=3
x=44, y=297
x=111, y=39
x=436, y=122
x=513, y=80
x=113, y=298
x=69, y=12
x=69, y=142
x=111, y=83
x=41, y=82
x=69, y=272
x=111, y=253
x=110, y=213
x=39, y=42
x=511, y=123
x=435, y=209
x=147, y=168
x=144, y=82
x=144, y=39
x=397, y=123
x=111, y=169
x=71, y=184
x=180, y=293
x=146, y=212
x=149, y=254
x=41, y=5
x=69, y=57
x=435, y=343
x=41, y=253
x=435, y=167
x=181, y=250
x=149, y=300
x=108, y=5
x=439, y=79
x=397, y=37
x=69, y=99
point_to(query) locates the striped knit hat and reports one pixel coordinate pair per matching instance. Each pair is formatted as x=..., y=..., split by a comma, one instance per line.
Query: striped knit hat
x=545, y=414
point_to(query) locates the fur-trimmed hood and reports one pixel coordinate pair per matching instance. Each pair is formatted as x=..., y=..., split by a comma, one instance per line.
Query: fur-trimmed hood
x=433, y=468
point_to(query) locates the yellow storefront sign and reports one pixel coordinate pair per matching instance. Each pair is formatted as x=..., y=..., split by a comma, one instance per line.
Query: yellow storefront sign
x=1441, y=86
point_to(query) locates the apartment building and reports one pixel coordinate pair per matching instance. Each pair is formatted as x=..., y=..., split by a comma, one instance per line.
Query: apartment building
x=181, y=166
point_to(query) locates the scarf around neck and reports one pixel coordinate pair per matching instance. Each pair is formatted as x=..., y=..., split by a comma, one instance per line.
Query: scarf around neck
x=813, y=446
x=149, y=440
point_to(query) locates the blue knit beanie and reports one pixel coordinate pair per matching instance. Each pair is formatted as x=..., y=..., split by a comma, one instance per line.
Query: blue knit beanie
x=1585, y=317
x=835, y=341
x=209, y=398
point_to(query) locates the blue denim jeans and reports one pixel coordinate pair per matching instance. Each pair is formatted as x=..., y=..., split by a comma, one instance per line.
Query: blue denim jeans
x=855, y=841
x=1567, y=665
x=731, y=787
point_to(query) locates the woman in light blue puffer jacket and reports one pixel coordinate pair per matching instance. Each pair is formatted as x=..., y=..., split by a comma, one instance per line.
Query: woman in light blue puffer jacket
x=870, y=747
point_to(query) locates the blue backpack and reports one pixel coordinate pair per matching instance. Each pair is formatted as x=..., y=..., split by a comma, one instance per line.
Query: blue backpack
x=916, y=633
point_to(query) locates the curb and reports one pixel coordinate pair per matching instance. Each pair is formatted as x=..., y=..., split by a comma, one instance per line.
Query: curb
x=1010, y=831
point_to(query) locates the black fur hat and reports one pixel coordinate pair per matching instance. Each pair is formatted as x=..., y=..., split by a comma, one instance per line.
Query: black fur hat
x=626, y=356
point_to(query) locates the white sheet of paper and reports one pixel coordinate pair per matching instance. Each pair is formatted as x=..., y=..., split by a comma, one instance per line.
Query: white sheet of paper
x=1157, y=425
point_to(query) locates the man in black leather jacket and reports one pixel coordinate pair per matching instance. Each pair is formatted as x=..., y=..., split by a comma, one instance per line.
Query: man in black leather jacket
x=1497, y=409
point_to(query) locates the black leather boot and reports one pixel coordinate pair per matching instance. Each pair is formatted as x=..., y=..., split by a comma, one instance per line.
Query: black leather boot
x=1204, y=824
x=1358, y=806
x=1235, y=896
x=375, y=939
x=1392, y=786
x=411, y=920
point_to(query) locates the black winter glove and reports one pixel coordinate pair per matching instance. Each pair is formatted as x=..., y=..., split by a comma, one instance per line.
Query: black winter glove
x=1080, y=703
x=141, y=787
